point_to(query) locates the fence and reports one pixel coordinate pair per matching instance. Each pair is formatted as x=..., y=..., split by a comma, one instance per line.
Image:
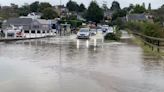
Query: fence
x=152, y=42
x=31, y=31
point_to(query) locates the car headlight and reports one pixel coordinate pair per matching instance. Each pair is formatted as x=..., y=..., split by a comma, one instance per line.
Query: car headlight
x=88, y=34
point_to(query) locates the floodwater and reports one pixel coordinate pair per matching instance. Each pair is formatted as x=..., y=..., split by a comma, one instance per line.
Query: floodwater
x=70, y=65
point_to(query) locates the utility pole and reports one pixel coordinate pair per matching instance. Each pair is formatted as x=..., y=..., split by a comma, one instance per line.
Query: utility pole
x=60, y=6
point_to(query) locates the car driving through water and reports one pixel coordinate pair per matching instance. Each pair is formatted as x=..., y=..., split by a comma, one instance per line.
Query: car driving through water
x=84, y=33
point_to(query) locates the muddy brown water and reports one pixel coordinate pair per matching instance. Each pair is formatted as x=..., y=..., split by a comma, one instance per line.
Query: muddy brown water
x=66, y=65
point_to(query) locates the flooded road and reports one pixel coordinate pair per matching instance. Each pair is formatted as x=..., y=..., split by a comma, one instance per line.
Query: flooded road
x=70, y=65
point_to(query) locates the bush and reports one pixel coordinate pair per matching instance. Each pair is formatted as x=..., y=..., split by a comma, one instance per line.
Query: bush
x=111, y=36
x=146, y=28
x=114, y=36
x=75, y=23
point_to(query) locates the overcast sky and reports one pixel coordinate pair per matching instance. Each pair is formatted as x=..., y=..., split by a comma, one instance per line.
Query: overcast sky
x=123, y=3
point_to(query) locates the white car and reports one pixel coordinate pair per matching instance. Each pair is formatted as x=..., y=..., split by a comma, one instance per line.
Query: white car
x=93, y=31
x=110, y=30
x=107, y=29
x=12, y=32
x=99, y=31
x=84, y=33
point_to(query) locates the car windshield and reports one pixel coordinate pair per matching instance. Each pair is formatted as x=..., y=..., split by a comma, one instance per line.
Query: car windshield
x=93, y=30
x=84, y=30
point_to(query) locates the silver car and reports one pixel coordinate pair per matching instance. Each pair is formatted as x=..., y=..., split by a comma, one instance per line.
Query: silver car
x=84, y=33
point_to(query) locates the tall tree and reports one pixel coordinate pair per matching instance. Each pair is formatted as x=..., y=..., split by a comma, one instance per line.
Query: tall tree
x=104, y=6
x=34, y=7
x=119, y=13
x=44, y=5
x=82, y=8
x=94, y=12
x=49, y=13
x=149, y=7
x=159, y=15
x=143, y=4
x=14, y=6
x=130, y=8
x=72, y=6
x=115, y=6
x=139, y=9
x=24, y=10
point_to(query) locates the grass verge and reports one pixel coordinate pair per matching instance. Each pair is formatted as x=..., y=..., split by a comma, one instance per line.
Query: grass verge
x=147, y=49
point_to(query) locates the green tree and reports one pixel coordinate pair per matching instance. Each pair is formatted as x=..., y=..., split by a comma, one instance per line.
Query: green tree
x=159, y=15
x=82, y=8
x=115, y=6
x=72, y=6
x=143, y=5
x=8, y=12
x=139, y=9
x=149, y=7
x=119, y=13
x=49, y=13
x=14, y=6
x=44, y=5
x=34, y=7
x=104, y=6
x=24, y=10
x=94, y=12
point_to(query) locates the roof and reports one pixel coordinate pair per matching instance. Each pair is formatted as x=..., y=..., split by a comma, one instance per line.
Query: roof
x=43, y=21
x=19, y=21
x=137, y=17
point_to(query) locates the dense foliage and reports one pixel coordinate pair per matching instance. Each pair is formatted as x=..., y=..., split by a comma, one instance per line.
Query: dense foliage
x=94, y=13
x=72, y=6
x=49, y=13
x=115, y=6
x=147, y=28
x=15, y=11
x=159, y=15
x=139, y=9
x=73, y=23
x=82, y=8
x=114, y=36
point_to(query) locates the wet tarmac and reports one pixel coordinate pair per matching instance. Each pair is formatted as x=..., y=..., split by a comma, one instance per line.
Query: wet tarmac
x=70, y=65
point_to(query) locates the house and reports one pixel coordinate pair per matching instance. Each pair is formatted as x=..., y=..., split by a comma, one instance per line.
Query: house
x=136, y=17
x=28, y=23
x=24, y=22
x=41, y=24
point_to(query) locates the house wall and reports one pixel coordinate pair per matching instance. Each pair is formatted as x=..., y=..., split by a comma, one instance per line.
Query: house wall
x=38, y=26
x=34, y=25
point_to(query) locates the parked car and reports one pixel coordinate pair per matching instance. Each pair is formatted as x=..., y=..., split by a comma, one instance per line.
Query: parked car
x=84, y=33
x=93, y=31
x=54, y=30
x=99, y=30
x=12, y=32
x=105, y=28
x=110, y=30
x=20, y=34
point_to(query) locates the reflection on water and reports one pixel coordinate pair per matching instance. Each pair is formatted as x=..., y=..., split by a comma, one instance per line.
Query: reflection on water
x=64, y=65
